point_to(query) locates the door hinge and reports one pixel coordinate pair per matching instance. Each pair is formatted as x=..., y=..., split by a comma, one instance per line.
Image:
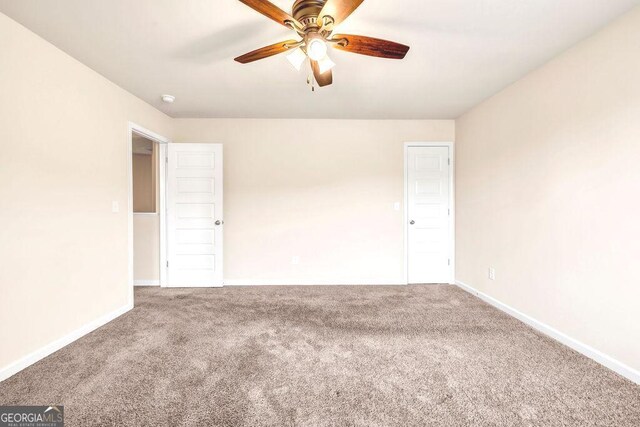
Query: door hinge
x=166, y=160
x=449, y=261
x=449, y=161
x=449, y=212
x=167, y=264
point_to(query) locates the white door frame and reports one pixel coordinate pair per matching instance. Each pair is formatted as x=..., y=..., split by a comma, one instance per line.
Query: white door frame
x=162, y=169
x=452, y=201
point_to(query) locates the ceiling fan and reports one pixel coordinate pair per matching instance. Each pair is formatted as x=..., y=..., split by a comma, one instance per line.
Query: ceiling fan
x=314, y=21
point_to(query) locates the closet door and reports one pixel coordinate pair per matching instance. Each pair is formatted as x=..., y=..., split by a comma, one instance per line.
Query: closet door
x=429, y=215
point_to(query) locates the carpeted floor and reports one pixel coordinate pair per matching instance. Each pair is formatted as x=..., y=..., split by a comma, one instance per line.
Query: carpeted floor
x=365, y=356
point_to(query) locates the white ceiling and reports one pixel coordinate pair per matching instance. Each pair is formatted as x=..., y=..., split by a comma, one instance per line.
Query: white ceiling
x=462, y=51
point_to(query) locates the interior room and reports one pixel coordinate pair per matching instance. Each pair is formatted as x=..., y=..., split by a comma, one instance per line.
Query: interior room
x=146, y=211
x=320, y=213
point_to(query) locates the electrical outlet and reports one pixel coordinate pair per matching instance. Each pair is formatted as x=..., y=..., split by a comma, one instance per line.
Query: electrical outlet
x=396, y=206
x=115, y=207
x=295, y=260
x=492, y=273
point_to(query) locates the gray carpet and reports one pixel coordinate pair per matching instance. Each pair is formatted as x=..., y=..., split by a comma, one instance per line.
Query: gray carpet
x=361, y=356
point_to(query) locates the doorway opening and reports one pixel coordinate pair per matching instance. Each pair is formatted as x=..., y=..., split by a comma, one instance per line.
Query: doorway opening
x=146, y=156
x=146, y=211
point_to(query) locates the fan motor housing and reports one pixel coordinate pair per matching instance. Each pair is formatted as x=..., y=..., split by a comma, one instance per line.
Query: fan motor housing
x=306, y=12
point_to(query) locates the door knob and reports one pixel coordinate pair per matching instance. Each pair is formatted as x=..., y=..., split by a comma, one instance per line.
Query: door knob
x=412, y=222
x=218, y=222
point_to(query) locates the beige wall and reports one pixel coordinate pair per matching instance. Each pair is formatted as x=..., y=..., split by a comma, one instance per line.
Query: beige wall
x=322, y=190
x=146, y=247
x=548, y=193
x=63, y=160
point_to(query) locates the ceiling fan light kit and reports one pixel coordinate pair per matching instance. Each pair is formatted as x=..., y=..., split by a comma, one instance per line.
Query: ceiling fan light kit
x=314, y=22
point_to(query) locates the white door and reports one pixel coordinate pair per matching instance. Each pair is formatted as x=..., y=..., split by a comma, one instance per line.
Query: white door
x=194, y=215
x=429, y=215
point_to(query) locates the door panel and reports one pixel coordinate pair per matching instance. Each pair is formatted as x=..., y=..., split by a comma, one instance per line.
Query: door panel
x=428, y=213
x=194, y=207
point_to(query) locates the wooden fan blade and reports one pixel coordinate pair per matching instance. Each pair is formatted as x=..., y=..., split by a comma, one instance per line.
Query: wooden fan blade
x=324, y=79
x=370, y=46
x=269, y=10
x=264, y=52
x=339, y=10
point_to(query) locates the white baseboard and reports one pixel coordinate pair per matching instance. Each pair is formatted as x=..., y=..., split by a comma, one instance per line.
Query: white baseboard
x=349, y=282
x=146, y=283
x=603, y=359
x=56, y=345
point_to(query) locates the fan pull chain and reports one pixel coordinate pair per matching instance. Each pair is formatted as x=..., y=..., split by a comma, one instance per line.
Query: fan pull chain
x=311, y=82
x=311, y=78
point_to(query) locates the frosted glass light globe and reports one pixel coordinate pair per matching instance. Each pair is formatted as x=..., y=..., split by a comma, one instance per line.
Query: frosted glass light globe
x=297, y=58
x=316, y=49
